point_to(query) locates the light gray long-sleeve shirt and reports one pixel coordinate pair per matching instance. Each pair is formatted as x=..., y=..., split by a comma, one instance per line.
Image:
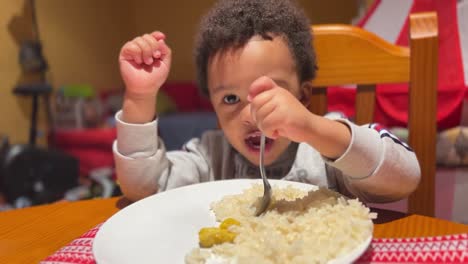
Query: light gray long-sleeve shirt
x=376, y=167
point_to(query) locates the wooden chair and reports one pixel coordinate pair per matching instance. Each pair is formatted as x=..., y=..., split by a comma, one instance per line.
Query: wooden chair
x=350, y=55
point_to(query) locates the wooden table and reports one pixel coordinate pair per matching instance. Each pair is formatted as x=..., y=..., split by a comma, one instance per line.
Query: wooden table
x=30, y=235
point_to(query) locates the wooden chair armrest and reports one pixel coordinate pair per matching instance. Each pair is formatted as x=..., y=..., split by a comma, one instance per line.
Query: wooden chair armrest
x=422, y=121
x=423, y=25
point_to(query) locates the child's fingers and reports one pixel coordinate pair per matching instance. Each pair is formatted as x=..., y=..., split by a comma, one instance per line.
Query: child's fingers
x=259, y=114
x=259, y=101
x=146, y=51
x=269, y=126
x=165, y=52
x=153, y=44
x=131, y=51
x=260, y=85
x=158, y=35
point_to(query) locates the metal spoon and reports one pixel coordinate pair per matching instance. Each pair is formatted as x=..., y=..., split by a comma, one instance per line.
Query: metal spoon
x=266, y=199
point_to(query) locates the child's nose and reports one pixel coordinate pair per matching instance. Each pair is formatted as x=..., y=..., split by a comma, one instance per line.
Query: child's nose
x=246, y=116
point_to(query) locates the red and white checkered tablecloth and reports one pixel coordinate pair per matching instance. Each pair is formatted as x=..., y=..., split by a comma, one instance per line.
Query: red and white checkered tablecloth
x=440, y=249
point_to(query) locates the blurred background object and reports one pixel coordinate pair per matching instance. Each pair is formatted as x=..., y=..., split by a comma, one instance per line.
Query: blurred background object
x=76, y=107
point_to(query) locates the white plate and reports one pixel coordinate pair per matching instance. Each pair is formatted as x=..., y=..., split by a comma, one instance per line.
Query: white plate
x=164, y=227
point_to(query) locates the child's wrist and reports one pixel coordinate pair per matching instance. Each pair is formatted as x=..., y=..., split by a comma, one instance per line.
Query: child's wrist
x=330, y=137
x=311, y=123
x=139, y=97
x=139, y=110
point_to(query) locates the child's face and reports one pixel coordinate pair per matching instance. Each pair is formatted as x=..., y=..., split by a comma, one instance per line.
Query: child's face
x=230, y=75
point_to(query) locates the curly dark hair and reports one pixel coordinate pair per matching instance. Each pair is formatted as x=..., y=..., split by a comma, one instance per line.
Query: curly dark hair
x=232, y=23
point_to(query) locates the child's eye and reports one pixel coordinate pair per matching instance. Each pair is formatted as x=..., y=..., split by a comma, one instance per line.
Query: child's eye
x=231, y=99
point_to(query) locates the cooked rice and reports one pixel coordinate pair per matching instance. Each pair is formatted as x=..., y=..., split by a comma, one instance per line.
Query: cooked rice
x=313, y=230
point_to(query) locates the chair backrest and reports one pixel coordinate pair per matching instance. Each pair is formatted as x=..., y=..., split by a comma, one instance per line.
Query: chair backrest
x=350, y=55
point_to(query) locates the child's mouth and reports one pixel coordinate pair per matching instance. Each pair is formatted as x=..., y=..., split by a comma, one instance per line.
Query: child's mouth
x=253, y=142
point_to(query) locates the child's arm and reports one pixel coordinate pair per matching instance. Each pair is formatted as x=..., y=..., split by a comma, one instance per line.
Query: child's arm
x=144, y=65
x=375, y=167
x=142, y=165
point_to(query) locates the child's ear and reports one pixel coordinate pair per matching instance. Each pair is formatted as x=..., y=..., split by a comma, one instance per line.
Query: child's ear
x=305, y=93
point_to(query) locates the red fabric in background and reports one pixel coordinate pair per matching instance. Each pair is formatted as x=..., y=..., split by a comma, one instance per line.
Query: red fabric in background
x=392, y=99
x=92, y=147
x=186, y=97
